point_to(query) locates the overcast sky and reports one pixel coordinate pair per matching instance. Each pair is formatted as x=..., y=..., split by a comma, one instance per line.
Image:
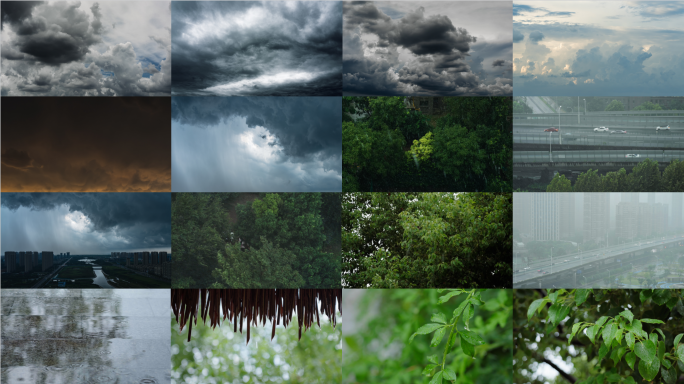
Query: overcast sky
x=598, y=48
x=257, y=48
x=86, y=144
x=256, y=144
x=86, y=223
x=110, y=48
x=427, y=48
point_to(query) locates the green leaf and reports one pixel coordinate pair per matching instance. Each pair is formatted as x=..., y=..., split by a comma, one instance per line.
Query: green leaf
x=530, y=311
x=645, y=294
x=618, y=356
x=661, y=296
x=645, y=350
x=649, y=369
x=677, y=338
x=461, y=307
x=445, y=298
x=669, y=375
x=609, y=333
x=427, y=371
x=433, y=359
x=468, y=313
x=437, y=338
x=654, y=338
x=467, y=348
x=661, y=349
x=476, y=301
x=437, y=379
x=554, y=296
x=438, y=318
x=613, y=377
x=581, y=296
x=449, y=374
x=661, y=333
x=591, y=333
x=602, y=320
x=471, y=337
x=628, y=315
x=652, y=321
x=629, y=338
x=630, y=358
x=680, y=353
x=425, y=329
x=603, y=351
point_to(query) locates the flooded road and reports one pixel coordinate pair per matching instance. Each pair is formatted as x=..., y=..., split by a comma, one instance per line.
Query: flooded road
x=85, y=336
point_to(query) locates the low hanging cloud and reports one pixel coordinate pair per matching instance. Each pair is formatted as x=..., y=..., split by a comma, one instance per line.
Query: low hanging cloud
x=242, y=144
x=86, y=222
x=74, y=49
x=257, y=48
x=418, y=53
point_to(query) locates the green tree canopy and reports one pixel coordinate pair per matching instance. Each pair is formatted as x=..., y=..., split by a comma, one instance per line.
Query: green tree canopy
x=275, y=240
x=407, y=240
x=615, y=105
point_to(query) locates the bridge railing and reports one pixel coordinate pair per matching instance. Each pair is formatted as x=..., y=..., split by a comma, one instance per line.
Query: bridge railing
x=614, y=140
x=595, y=156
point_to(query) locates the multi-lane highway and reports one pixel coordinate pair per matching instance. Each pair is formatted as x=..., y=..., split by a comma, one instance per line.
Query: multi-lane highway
x=602, y=156
x=583, y=260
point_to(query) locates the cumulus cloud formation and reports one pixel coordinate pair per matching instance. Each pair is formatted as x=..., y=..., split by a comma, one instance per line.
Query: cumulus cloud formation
x=86, y=223
x=56, y=144
x=245, y=144
x=426, y=49
x=611, y=48
x=75, y=49
x=257, y=48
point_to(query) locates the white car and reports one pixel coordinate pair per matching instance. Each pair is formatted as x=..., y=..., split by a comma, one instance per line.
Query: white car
x=665, y=128
x=628, y=156
x=601, y=129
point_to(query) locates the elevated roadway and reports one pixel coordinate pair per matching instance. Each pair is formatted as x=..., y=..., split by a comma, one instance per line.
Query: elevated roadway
x=567, y=269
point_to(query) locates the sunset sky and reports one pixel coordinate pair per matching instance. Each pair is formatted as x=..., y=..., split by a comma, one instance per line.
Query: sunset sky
x=86, y=144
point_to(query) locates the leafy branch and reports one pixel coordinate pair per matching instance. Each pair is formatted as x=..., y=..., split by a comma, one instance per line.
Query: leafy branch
x=468, y=339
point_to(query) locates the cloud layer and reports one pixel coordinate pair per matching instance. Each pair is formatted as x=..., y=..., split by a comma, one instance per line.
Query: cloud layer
x=86, y=223
x=86, y=144
x=611, y=48
x=262, y=144
x=422, y=50
x=257, y=48
x=86, y=49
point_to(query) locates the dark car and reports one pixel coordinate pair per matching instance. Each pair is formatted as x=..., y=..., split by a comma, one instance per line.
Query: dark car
x=552, y=129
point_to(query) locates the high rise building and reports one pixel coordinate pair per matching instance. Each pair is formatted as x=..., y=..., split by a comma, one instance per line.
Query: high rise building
x=135, y=258
x=28, y=261
x=11, y=261
x=48, y=258
x=545, y=216
x=163, y=256
x=651, y=197
x=146, y=258
x=566, y=202
x=20, y=260
x=660, y=218
x=596, y=216
x=522, y=215
x=155, y=258
x=677, y=211
x=626, y=221
x=629, y=197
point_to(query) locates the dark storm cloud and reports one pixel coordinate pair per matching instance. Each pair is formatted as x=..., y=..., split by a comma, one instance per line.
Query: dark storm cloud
x=86, y=144
x=109, y=222
x=303, y=126
x=255, y=48
x=68, y=49
x=105, y=210
x=440, y=50
x=517, y=36
x=536, y=36
x=498, y=63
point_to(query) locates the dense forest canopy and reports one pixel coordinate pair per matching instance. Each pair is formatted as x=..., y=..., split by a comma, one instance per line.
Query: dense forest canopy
x=388, y=144
x=426, y=240
x=267, y=240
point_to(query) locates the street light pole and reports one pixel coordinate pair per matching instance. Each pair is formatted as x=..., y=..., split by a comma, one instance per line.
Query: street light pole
x=578, y=109
x=559, y=127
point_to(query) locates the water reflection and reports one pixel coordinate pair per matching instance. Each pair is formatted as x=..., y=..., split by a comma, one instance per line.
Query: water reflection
x=85, y=336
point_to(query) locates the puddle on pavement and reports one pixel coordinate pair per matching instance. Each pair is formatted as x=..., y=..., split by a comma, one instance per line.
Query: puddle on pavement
x=80, y=336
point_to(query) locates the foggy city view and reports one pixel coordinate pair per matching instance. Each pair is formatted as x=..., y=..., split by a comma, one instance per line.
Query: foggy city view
x=598, y=144
x=598, y=240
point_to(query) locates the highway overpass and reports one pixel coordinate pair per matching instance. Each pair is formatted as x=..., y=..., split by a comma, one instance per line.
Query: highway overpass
x=541, y=140
x=568, y=271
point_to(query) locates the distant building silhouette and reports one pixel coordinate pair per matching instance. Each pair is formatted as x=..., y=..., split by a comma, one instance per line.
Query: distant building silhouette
x=11, y=261
x=48, y=258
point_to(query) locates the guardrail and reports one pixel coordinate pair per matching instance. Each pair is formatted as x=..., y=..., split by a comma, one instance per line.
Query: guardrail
x=614, y=140
x=595, y=156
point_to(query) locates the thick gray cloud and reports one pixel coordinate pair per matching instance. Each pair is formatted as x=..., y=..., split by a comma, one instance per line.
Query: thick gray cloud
x=242, y=144
x=75, y=49
x=420, y=52
x=257, y=48
x=86, y=222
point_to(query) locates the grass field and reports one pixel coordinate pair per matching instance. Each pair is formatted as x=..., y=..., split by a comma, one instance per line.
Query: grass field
x=123, y=278
x=77, y=272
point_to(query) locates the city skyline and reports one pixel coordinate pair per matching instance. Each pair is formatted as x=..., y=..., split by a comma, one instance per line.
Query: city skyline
x=86, y=223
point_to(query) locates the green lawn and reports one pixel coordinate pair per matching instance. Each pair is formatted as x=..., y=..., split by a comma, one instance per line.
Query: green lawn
x=77, y=272
x=129, y=279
